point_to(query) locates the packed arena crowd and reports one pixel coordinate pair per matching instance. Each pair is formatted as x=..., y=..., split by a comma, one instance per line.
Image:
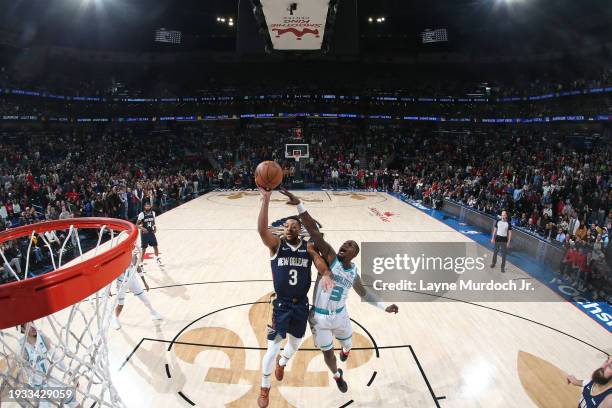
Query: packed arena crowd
x=60, y=174
x=551, y=188
x=554, y=186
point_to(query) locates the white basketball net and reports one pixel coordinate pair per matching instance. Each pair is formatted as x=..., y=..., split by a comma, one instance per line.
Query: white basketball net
x=72, y=352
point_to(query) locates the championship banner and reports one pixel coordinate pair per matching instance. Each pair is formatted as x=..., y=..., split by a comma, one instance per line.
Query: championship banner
x=297, y=24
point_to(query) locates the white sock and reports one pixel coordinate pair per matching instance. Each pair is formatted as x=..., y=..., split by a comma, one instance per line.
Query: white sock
x=337, y=375
x=145, y=299
x=268, y=362
x=115, y=322
x=265, y=381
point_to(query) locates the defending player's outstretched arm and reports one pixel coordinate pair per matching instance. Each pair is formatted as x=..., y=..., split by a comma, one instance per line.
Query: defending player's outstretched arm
x=311, y=226
x=322, y=268
x=371, y=297
x=269, y=239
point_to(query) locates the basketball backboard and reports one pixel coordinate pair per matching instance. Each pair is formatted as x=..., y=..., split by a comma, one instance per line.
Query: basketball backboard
x=300, y=150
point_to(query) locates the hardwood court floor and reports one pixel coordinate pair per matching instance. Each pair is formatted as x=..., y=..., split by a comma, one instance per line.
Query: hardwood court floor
x=442, y=353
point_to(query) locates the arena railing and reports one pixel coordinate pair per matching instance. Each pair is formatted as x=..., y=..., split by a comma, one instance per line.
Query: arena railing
x=312, y=115
x=322, y=96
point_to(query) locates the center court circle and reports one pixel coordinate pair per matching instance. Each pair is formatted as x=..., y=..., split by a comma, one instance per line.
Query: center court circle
x=185, y=396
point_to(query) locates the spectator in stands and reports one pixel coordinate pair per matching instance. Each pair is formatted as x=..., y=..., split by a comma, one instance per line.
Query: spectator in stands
x=335, y=177
x=13, y=257
x=561, y=236
x=568, y=262
x=139, y=195
x=123, y=197
x=36, y=250
x=3, y=212
x=65, y=213
x=582, y=231
x=582, y=266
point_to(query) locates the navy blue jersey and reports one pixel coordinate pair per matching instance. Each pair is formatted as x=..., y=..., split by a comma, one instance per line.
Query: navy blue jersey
x=291, y=270
x=148, y=220
x=588, y=401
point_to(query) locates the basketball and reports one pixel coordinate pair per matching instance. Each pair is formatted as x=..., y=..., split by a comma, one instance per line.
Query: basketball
x=268, y=175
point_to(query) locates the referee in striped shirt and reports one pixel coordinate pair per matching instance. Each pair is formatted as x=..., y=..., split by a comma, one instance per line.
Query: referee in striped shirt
x=501, y=237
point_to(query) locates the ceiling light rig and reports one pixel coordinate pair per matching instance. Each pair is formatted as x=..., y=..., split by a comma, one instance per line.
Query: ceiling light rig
x=226, y=21
x=378, y=20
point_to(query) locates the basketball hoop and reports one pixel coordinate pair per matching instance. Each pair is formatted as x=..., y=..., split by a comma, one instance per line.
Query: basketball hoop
x=297, y=151
x=69, y=307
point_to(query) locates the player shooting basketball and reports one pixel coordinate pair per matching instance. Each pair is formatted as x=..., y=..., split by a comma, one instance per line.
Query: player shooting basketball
x=290, y=259
x=329, y=317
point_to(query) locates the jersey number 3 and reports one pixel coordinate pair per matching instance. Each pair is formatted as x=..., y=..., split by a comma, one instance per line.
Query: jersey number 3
x=293, y=277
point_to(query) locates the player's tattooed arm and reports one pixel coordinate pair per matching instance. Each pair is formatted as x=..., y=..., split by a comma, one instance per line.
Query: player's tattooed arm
x=313, y=230
x=322, y=268
x=369, y=295
x=269, y=239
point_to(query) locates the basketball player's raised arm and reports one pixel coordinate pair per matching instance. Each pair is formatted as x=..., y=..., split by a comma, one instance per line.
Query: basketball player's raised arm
x=269, y=239
x=321, y=266
x=311, y=226
x=369, y=295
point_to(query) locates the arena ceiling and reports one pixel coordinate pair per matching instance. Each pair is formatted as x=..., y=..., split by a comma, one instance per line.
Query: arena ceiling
x=477, y=26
